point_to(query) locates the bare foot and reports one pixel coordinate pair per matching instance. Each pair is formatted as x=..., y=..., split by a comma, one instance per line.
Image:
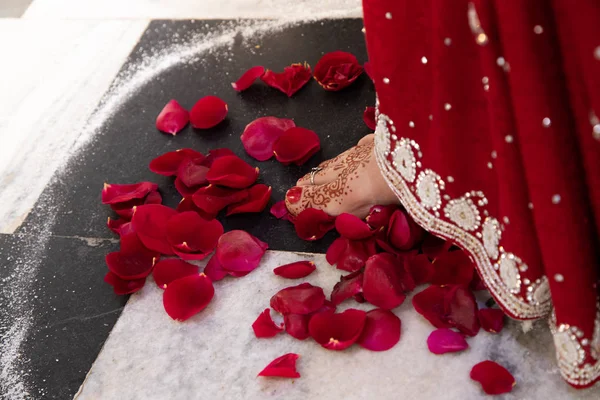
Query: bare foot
x=349, y=183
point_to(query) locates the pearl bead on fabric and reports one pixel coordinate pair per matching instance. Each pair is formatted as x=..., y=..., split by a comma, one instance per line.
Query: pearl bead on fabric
x=556, y=199
x=546, y=122
x=559, y=278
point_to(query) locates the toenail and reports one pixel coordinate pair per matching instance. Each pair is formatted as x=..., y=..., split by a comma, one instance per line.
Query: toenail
x=293, y=195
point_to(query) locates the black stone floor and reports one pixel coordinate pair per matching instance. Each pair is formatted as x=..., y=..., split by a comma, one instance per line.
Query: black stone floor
x=72, y=309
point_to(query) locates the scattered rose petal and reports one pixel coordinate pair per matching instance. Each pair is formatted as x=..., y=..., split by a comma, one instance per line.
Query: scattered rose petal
x=347, y=287
x=368, y=70
x=114, y=193
x=211, y=199
x=260, y=135
x=208, y=112
x=295, y=270
x=187, y=204
x=477, y=283
x=125, y=209
x=150, y=224
x=173, y=118
x=238, y=251
x=350, y=255
x=232, y=172
x=403, y=232
x=301, y=299
x=215, y=154
x=296, y=325
x=430, y=304
x=283, y=367
x=493, y=377
x=313, y=224
x=419, y=267
x=337, y=70
x=170, y=269
x=337, y=331
x=192, y=172
x=381, y=331
x=264, y=326
x=385, y=281
x=296, y=146
x=434, y=246
x=461, y=309
x=248, y=78
x=122, y=286
x=446, y=340
x=290, y=80
x=452, y=268
x=168, y=163
x=258, y=198
x=187, y=296
x=279, y=210
x=119, y=226
x=191, y=236
x=491, y=319
x=352, y=227
x=214, y=270
x=369, y=118
x=130, y=266
x=379, y=216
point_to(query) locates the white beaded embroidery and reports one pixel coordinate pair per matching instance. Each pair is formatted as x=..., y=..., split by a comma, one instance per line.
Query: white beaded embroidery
x=464, y=213
x=595, y=345
x=541, y=293
x=428, y=190
x=509, y=272
x=404, y=160
x=491, y=237
x=567, y=347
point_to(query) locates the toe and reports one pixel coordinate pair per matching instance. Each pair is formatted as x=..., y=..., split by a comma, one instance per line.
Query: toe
x=299, y=198
x=366, y=140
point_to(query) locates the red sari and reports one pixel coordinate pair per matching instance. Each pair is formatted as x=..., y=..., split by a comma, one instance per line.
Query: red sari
x=488, y=132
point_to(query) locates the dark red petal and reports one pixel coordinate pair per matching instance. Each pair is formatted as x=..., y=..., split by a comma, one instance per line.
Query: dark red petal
x=434, y=246
x=296, y=145
x=313, y=224
x=445, y=340
x=356, y=254
x=295, y=270
x=187, y=204
x=381, y=331
x=452, y=268
x=258, y=198
x=347, y=287
x=172, y=118
x=296, y=325
x=385, y=281
x=208, y=112
x=238, y=251
x=367, y=67
x=379, y=216
x=461, y=309
x=186, y=297
x=211, y=199
x=260, y=135
x=188, y=232
x=494, y=378
x=125, y=210
x=131, y=244
x=129, y=266
x=337, y=331
x=248, y=78
x=477, y=284
x=419, y=267
x=114, y=193
x=168, y=163
x=121, y=286
x=290, y=80
x=283, y=367
x=301, y=299
x=430, y=304
x=214, y=270
x=150, y=224
x=491, y=319
x=264, y=326
x=336, y=250
x=232, y=172
x=337, y=70
x=352, y=227
x=168, y=270
x=279, y=209
x=184, y=190
x=215, y=154
x=403, y=232
x=192, y=172
x=119, y=226
x=369, y=118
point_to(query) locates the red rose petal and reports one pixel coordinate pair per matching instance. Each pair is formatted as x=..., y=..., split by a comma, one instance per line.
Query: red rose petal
x=125, y=210
x=168, y=163
x=264, y=326
x=279, y=210
x=296, y=325
x=477, y=284
x=385, y=281
x=381, y=331
x=238, y=251
x=121, y=286
x=445, y=340
x=166, y=271
x=337, y=331
x=420, y=268
x=347, y=287
x=192, y=172
x=119, y=226
x=232, y=172
x=369, y=118
x=403, y=232
x=187, y=204
x=208, y=112
x=430, y=304
x=352, y=227
x=215, y=154
x=337, y=70
x=186, y=297
x=172, y=118
x=295, y=270
x=183, y=189
x=296, y=146
x=283, y=367
x=191, y=236
x=292, y=79
x=211, y=199
x=452, y=268
x=313, y=224
x=491, y=319
x=367, y=67
x=114, y=193
x=260, y=135
x=493, y=377
x=150, y=223
x=301, y=299
x=356, y=254
x=248, y=78
x=336, y=250
x=434, y=246
x=258, y=198
x=379, y=216
x=130, y=266
x=214, y=270
x=461, y=309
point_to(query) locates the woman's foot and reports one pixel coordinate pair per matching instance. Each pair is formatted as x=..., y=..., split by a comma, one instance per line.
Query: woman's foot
x=349, y=183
